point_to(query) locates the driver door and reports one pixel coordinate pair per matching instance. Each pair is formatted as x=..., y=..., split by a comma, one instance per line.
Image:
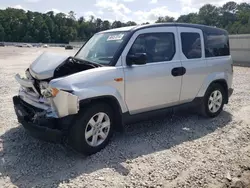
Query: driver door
x=157, y=83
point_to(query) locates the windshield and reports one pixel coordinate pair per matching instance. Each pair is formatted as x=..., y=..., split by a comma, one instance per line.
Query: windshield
x=102, y=47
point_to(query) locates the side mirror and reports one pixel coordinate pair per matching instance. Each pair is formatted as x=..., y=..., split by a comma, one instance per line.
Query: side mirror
x=137, y=59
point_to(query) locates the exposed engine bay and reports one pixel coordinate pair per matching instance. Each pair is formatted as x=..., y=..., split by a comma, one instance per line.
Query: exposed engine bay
x=72, y=66
x=50, y=66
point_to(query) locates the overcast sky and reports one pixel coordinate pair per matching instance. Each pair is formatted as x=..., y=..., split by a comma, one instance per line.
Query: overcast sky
x=124, y=10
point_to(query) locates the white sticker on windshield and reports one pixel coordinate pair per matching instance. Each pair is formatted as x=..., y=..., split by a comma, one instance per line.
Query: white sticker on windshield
x=115, y=37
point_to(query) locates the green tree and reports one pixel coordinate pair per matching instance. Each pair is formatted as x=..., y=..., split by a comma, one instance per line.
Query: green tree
x=165, y=19
x=117, y=24
x=98, y=24
x=106, y=25
x=209, y=15
x=189, y=18
x=227, y=12
x=2, y=33
x=72, y=15
x=230, y=7
x=81, y=20
x=44, y=34
x=130, y=23
x=27, y=38
x=243, y=13
x=26, y=26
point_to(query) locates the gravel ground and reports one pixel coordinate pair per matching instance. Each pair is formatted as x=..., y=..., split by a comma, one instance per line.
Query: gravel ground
x=179, y=150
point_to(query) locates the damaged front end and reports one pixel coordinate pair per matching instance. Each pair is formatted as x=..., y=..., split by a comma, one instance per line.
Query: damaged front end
x=54, y=102
x=34, y=120
x=46, y=112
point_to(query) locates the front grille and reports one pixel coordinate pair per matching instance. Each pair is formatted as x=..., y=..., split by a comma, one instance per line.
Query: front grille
x=36, y=82
x=36, y=85
x=32, y=110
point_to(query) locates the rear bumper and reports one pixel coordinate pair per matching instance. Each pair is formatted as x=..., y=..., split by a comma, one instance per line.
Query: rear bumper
x=38, y=126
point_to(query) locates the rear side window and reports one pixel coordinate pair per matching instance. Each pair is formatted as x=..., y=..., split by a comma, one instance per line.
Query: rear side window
x=216, y=44
x=158, y=46
x=191, y=45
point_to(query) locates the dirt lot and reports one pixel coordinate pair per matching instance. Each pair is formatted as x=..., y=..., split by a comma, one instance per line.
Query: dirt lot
x=180, y=150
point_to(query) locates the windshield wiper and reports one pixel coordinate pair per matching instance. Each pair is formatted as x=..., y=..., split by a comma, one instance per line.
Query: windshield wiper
x=88, y=62
x=105, y=58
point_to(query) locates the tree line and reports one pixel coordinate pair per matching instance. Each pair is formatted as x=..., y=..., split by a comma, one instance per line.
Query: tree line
x=17, y=25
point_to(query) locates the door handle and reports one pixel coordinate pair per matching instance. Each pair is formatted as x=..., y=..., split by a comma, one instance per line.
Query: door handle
x=175, y=72
x=183, y=71
x=178, y=71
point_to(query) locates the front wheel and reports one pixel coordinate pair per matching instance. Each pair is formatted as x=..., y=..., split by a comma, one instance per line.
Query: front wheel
x=93, y=129
x=213, y=101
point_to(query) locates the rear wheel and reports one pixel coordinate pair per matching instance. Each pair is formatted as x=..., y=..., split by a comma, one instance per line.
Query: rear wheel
x=93, y=129
x=213, y=101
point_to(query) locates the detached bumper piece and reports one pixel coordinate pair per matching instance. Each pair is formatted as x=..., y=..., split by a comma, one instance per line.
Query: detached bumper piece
x=35, y=123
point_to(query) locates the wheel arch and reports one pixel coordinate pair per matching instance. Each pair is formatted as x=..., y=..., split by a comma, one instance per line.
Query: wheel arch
x=223, y=83
x=216, y=77
x=114, y=104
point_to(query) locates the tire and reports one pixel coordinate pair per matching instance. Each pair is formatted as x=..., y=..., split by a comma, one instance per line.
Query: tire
x=80, y=138
x=213, y=109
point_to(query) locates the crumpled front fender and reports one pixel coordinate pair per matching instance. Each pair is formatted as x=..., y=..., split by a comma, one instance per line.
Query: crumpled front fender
x=65, y=103
x=102, y=91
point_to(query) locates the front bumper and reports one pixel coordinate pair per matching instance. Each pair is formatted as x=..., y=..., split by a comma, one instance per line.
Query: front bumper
x=37, y=124
x=62, y=105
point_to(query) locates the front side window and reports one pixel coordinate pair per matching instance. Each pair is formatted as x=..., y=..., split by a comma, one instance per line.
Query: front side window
x=216, y=44
x=191, y=45
x=102, y=47
x=158, y=46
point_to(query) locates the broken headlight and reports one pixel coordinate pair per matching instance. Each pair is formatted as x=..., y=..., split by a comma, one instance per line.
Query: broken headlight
x=47, y=91
x=28, y=75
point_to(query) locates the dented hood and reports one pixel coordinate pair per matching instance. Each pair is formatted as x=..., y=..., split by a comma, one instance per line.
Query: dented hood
x=44, y=66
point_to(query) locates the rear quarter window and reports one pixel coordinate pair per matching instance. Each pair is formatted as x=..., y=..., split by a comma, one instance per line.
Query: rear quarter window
x=216, y=45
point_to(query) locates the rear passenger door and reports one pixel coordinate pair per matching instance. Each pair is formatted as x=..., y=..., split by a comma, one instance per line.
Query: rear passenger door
x=193, y=60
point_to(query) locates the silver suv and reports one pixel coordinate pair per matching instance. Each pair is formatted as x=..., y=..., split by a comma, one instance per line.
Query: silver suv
x=122, y=75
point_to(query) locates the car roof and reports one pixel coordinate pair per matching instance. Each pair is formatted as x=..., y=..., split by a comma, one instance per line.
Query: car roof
x=120, y=29
x=204, y=28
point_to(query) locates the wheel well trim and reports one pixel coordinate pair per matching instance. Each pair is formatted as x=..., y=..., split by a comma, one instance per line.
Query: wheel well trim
x=104, y=97
x=119, y=123
x=212, y=78
x=224, y=84
x=220, y=81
